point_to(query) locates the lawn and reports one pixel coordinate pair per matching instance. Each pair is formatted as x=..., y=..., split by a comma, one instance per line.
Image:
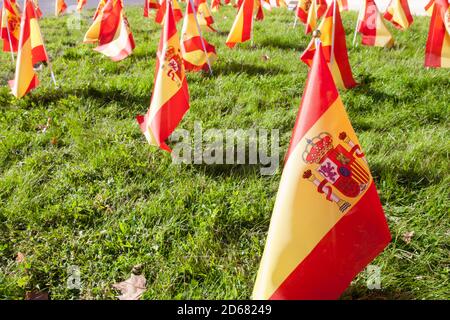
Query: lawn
x=90, y=191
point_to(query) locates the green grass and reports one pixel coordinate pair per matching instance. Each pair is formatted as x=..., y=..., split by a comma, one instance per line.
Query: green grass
x=101, y=198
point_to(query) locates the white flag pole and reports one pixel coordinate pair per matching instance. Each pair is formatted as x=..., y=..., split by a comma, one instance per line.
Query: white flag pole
x=333, y=32
x=357, y=23
x=52, y=75
x=201, y=36
x=9, y=39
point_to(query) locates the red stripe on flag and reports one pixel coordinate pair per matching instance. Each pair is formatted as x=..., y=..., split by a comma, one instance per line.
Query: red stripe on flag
x=195, y=43
x=341, y=254
x=320, y=91
x=247, y=21
x=435, y=41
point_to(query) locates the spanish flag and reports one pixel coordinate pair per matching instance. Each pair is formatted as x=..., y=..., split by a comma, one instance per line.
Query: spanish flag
x=241, y=30
x=321, y=8
x=429, y=7
x=10, y=25
x=311, y=21
x=170, y=98
x=31, y=52
x=259, y=10
x=327, y=223
x=398, y=14
x=150, y=5
x=60, y=7
x=215, y=5
x=193, y=46
x=177, y=13
x=111, y=32
x=437, y=52
x=303, y=9
x=204, y=16
x=372, y=28
x=37, y=9
x=100, y=6
x=335, y=49
x=343, y=5
x=80, y=4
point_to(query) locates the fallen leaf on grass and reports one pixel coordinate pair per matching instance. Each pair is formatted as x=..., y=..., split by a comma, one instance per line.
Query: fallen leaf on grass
x=133, y=287
x=43, y=127
x=36, y=295
x=407, y=236
x=265, y=57
x=20, y=258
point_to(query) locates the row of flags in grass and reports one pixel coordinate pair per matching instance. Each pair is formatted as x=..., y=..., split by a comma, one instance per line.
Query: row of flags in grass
x=111, y=31
x=327, y=223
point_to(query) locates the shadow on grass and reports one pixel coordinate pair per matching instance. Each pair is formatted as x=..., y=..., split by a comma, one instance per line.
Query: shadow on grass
x=359, y=292
x=278, y=43
x=104, y=96
x=235, y=67
x=411, y=178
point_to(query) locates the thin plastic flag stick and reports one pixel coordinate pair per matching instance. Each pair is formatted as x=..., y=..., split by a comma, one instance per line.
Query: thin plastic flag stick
x=10, y=43
x=357, y=24
x=333, y=32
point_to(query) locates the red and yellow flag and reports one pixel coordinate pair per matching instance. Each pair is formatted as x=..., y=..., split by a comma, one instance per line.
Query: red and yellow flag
x=204, y=16
x=193, y=46
x=372, y=27
x=437, y=52
x=111, y=31
x=327, y=223
x=150, y=5
x=398, y=14
x=100, y=6
x=335, y=49
x=60, y=7
x=177, y=13
x=37, y=9
x=429, y=7
x=10, y=25
x=241, y=30
x=215, y=5
x=321, y=8
x=311, y=21
x=81, y=4
x=343, y=5
x=170, y=98
x=302, y=10
x=31, y=52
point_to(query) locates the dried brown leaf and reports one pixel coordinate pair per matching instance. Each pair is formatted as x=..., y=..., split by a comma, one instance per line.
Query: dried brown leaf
x=20, y=258
x=407, y=236
x=132, y=288
x=36, y=295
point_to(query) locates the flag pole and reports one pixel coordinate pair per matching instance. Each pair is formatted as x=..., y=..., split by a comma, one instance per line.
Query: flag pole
x=333, y=32
x=201, y=36
x=52, y=75
x=9, y=39
x=357, y=24
x=295, y=20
